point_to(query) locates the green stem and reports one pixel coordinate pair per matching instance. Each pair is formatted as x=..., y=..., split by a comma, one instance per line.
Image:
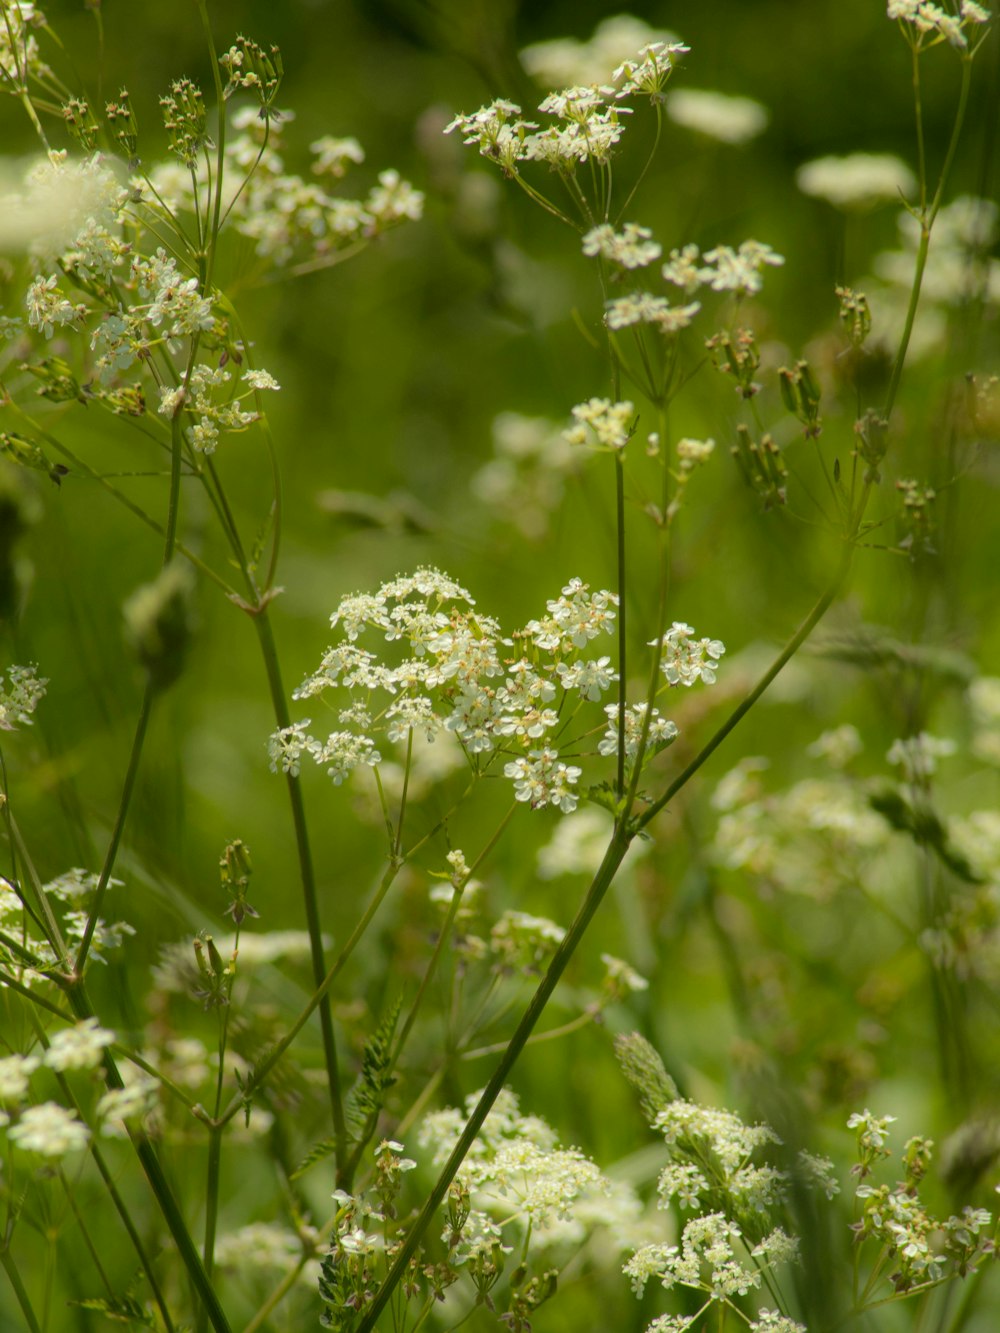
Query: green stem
x=20, y=1291
x=307, y=876
x=613, y=858
x=133, y=1235
x=622, y=628
x=128, y=787
x=926, y=220
x=211, y=1206
x=220, y=147
x=172, y=1215
x=262, y=1070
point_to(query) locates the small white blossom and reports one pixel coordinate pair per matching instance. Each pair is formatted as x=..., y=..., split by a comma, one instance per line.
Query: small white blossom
x=694, y=452
x=136, y=1100
x=661, y=731
x=543, y=779
x=856, y=181
x=260, y=379
x=332, y=155
x=20, y=696
x=728, y=270
x=917, y=756
x=734, y=120
x=650, y=71
x=49, y=1130
x=685, y=660
x=15, y=1070
x=633, y=247
x=644, y=308
x=79, y=1047
x=623, y=977
x=611, y=423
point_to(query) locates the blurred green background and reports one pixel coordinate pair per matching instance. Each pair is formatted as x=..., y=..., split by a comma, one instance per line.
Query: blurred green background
x=393, y=369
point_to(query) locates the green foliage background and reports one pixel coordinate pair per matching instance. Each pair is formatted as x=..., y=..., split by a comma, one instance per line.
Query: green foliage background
x=392, y=370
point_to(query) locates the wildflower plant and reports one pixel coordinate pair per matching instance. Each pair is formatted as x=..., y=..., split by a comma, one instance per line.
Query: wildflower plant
x=580, y=717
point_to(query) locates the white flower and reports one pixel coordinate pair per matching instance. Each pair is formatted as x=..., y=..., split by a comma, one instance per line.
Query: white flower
x=48, y=306
x=838, y=747
x=644, y=308
x=661, y=731
x=611, y=423
x=132, y=1102
x=543, y=779
x=15, y=1070
x=733, y=120
x=685, y=660
x=856, y=181
x=633, y=247
x=622, y=976
x=564, y=60
x=49, y=1130
x=78, y=1047
x=20, y=696
x=260, y=379
x=693, y=452
x=917, y=755
x=332, y=155
x=651, y=70
x=728, y=270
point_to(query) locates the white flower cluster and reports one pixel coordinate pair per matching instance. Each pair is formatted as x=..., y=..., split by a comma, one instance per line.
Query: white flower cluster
x=20, y=696
x=816, y=837
x=458, y=674
x=917, y=756
x=662, y=732
x=685, y=659
x=288, y=218
x=734, y=120
x=711, y=1152
x=925, y=1249
x=632, y=247
x=589, y=123
x=524, y=480
x=714, y=1256
x=51, y=1130
x=610, y=423
x=211, y=407
x=515, y=1173
x=721, y=269
x=961, y=270
x=562, y=61
x=927, y=18
x=19, y=56
x=857, y=180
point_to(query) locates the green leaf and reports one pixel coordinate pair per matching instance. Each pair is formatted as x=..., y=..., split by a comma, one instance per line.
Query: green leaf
x=366, y=1098
x=326, y=1148
x=120, y=1310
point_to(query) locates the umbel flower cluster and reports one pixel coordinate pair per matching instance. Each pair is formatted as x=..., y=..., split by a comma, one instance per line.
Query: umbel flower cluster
x=520, y=1205
x=114, y=270
x=512, y=697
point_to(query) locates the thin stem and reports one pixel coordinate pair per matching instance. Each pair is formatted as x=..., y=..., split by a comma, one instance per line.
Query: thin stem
x=262, y=1070
x=20, y=1291
x=173, y=1216
x=307, y=876
x=622, y=627
x=613, y=858
x=128, y=787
